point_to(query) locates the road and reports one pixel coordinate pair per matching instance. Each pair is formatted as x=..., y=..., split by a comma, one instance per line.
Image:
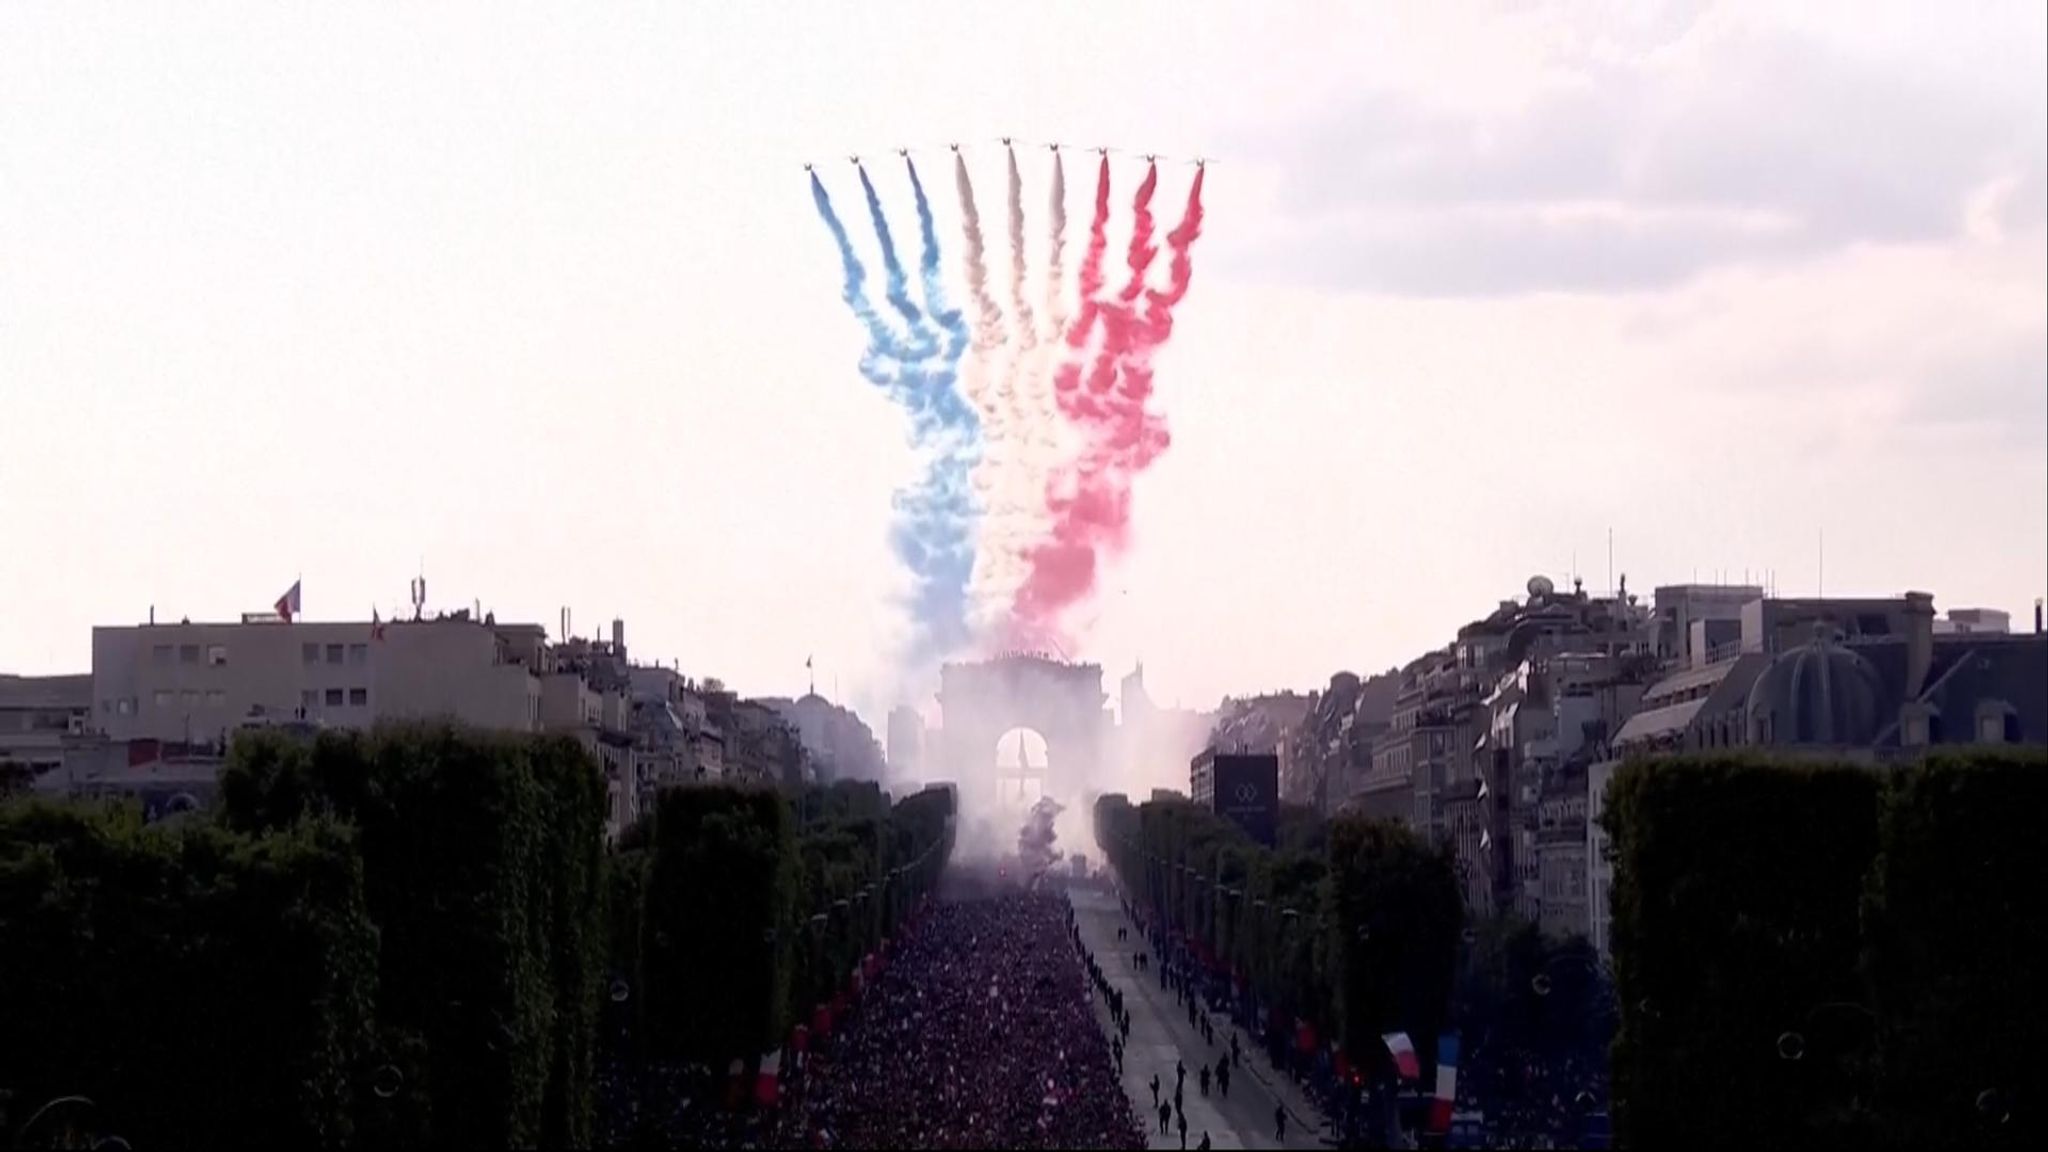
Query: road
x=1160, y=1035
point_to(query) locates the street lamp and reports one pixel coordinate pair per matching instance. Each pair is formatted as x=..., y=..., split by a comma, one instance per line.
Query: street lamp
x=66, y=1118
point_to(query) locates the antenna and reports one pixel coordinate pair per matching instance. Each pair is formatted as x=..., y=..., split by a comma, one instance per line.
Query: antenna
x=1823, y=579
x=1610, y=562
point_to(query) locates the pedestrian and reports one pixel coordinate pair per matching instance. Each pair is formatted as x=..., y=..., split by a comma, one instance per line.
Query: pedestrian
x=1155, y=1089
x=1204, y=1145
x=1279, y=1123
x=1205, y=1081
x=1183, y=1131
x=1180, y=1074
x=1223, y=1078
x=1165, y=1118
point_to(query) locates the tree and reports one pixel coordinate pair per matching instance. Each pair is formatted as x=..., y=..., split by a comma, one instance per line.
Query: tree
x=1956, y=927
x=1394, y=917
x=1736, y=902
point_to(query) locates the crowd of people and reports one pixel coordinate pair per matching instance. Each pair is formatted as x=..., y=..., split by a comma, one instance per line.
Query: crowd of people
x=981, y=1033
x=1530, y=1102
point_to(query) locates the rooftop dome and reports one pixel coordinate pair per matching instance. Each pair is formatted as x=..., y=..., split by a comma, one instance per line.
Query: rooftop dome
x=1822, y=693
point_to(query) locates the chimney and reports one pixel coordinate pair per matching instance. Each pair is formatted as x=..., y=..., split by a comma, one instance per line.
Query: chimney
x=1919, y=641
x=2037, y=616
x=618, y=638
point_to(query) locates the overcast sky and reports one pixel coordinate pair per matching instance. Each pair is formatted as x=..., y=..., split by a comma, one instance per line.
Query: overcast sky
x=534, y=293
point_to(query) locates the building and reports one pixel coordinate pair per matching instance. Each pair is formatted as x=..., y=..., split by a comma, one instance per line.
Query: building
x=1241, y=786
x=1696, y=622
x=1960, y=620
x=760, y=746
x=1599, y=869
x=1875, y=680
x=1327, y=758
x=187, y=682
x=187, y=686
x=839, y=742
x=1858, y=679
x=40, y=716
x=906, y=743
x=1149, y=739
x=1561, y=846
x=1258, y=723
x=672, y=728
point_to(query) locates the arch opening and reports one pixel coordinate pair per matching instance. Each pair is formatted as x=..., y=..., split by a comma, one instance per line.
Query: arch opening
x=1022, y=760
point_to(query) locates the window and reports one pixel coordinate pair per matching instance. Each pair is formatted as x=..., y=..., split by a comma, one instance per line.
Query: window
x=334, y=697
x=164, y=698
x=190, y=698
x=310, y=653
x=359, y=654
x=334, y=653
x=161, y=655
x=309, y=700
x=216, y=655
x=125, y=706
x=359, y=697
x=215, y=698
x=188, y=653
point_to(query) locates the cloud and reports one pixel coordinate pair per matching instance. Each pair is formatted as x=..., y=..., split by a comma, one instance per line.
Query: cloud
x=1731, y=146
x=1997, y=397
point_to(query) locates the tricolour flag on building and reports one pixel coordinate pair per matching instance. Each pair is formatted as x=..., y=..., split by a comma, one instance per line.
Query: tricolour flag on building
x=287, y=605
x=1446, y=1098
x=1403, y=1051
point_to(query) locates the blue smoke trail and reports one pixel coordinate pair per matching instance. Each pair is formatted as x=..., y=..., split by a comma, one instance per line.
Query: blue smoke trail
x=932, y=536
x=896, y=283
x=878, y=363
x=942, y=507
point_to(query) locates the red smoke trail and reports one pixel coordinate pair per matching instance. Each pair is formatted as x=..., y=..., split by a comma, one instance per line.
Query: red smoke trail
x=1094, y=406
x=1083, y=322
x=1091, y=513
x=1060, y=569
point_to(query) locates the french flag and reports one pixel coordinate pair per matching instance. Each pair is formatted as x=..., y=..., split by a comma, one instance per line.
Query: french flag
x=290, y=604
x=1403, y=1051
x=1446, y=1097
x=768, y=1087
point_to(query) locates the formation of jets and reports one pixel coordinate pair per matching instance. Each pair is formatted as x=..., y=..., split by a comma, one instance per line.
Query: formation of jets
x=1010, y=142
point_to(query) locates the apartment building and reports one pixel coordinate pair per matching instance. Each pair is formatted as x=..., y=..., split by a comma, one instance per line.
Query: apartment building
x=193, y=682
x=40, y=716
x=190, y=685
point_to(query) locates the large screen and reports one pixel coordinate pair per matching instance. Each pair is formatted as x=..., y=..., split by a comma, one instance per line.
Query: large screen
x=1248, y=792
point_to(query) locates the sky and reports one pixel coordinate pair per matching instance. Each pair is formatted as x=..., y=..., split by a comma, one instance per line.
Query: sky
x=531, y=298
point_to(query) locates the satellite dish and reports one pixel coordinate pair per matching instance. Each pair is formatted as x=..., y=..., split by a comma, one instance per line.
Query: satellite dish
x=1541, y=586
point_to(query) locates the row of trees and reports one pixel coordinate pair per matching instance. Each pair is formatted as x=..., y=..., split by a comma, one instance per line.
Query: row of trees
x=736, y=912
x=409, y=938
x=1820, y=954
x=1352, y=926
